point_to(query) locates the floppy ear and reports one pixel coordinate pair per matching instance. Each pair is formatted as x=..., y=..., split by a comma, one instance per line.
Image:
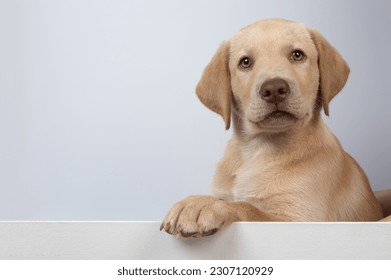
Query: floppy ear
x=333, y=69
x=214, y=88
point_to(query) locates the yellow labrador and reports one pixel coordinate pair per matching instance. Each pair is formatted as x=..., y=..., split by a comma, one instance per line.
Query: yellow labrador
x=283, y=163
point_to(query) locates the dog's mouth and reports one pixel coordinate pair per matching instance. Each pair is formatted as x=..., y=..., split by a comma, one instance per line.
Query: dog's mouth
x=277, y=118
x=280, y=114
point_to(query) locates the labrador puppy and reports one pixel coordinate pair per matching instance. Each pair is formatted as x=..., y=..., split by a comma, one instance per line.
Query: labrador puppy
x=270, y=81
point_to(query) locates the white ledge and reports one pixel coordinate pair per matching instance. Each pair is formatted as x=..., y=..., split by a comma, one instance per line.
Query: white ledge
x=143, y=240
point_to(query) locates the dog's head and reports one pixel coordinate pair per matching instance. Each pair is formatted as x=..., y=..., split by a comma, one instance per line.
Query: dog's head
x=274, y=75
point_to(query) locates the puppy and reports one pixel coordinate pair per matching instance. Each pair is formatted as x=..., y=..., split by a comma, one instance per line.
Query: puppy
x=271, y=80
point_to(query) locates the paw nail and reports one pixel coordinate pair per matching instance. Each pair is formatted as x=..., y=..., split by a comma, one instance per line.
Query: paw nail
x=167, y=227
x=187, y=234
x=210, y=232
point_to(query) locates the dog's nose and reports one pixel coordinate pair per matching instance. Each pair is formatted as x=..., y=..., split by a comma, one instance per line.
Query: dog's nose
x=275, y=90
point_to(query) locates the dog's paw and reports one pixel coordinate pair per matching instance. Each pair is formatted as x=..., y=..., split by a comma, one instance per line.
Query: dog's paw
x=197, y=216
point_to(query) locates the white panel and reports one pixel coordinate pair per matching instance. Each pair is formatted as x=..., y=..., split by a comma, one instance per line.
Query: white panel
x=143, y=240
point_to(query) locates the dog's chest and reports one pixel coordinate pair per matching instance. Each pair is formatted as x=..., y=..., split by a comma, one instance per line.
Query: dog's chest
x=260, y=175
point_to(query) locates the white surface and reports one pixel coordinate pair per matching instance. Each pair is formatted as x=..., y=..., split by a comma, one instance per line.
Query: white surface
x=98, y=114
x=143, y=240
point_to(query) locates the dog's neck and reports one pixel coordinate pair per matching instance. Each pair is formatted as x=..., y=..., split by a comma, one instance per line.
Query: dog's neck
x=313, y=136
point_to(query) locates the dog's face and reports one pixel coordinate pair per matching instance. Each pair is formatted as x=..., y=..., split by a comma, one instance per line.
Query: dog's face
x=271, y=74
x=274, y=75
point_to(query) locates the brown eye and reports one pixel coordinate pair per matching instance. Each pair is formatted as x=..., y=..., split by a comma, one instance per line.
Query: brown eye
x=245, y=62
x=297, y=55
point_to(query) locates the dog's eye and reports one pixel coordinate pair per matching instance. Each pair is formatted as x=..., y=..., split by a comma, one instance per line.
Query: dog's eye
x=297, y=55
x=245, y=62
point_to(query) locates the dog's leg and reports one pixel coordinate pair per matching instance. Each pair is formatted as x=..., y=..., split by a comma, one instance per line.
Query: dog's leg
x=384, y=198
x=198, y=216
x=386, y=219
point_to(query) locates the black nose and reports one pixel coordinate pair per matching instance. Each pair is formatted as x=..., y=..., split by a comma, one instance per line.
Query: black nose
x=275, y=90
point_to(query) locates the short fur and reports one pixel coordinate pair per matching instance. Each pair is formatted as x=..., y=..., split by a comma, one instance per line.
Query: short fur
x=287, y=167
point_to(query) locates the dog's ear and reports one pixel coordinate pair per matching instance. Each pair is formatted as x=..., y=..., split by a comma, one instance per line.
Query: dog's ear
x=333, y=69
x=214, y=88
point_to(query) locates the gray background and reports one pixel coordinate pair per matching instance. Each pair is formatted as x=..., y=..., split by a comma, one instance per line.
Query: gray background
x=98, y=116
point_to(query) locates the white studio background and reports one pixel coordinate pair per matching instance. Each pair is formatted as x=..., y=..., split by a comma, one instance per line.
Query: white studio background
x=98, y=116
